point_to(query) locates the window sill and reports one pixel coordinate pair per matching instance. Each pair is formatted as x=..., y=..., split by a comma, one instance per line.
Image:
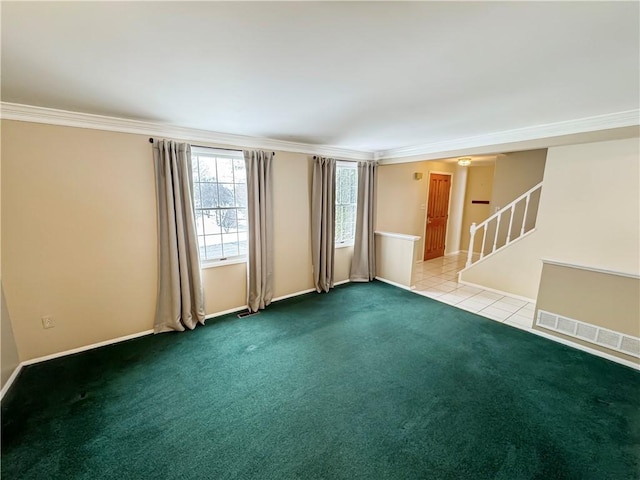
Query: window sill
x=343, y=245
x=222, y=263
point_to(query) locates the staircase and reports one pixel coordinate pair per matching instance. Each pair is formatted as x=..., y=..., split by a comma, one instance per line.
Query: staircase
x=505, y=226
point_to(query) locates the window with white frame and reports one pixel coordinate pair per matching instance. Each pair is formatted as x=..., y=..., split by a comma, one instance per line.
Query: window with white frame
x=346, y=201
x=220, y=195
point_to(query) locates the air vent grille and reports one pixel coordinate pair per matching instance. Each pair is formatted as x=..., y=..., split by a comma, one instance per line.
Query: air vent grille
x=590, y=333
x=630, y=345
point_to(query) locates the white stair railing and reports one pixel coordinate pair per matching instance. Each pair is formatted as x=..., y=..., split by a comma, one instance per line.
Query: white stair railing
x=511, y=208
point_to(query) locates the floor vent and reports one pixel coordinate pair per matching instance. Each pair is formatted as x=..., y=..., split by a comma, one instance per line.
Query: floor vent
x=590, y=333
x=247, y=314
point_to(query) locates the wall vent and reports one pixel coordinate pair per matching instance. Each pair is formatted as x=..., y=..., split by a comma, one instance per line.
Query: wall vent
x=617, y=341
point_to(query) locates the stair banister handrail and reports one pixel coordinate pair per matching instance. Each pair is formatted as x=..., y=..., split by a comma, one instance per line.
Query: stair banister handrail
x=504, y=209
x=511, y=206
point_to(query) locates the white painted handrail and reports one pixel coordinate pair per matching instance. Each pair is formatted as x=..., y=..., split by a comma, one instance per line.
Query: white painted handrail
x=511, y=208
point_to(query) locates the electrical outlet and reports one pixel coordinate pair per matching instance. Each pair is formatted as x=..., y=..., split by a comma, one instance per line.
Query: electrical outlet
x=47, y=322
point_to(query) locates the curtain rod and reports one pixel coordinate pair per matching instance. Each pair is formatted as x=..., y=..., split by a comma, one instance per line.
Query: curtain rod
x=217, y=148
x=340, y=159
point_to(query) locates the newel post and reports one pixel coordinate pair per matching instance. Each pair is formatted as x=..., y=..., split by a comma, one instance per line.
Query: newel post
x=472, y=231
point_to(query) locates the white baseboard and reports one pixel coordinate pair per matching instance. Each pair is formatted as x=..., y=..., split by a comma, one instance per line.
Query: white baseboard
x=592, y=351
x=277, y=299
x=86, y=347
x=395, y=284
x=10, y=380
x=290, y=295
x=134, y=335
x=308, y=290
x=64, y=353
x=563, y=341
x=225, y=312
x=499, y=292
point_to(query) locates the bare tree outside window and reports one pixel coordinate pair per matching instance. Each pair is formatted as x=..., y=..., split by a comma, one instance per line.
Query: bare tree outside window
x=346, y=200
x=220, y=196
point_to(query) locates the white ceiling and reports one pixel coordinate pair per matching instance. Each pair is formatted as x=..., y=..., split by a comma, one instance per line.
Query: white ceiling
x=367, y=76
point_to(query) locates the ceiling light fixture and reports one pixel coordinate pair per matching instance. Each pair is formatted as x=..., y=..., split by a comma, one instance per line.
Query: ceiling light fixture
x=464, y=162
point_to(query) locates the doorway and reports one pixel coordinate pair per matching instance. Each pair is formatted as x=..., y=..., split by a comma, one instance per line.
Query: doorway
x=437, y=215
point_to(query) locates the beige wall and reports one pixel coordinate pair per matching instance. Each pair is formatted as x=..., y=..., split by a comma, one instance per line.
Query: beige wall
x=8, y=350
x=584, y=218
x=292, y=232
x=514, y=174
x=401, y=201
x=456, y=210
x=395, y=259
x=479, y=187
x=9, y=355
x=609, y=301
x=79, y=236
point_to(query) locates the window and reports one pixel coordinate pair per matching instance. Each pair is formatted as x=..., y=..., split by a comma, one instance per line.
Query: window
x=346, y=199
x=220, y=194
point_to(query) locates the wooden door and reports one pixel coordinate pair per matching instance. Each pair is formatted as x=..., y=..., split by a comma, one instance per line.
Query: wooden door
x=437, y=215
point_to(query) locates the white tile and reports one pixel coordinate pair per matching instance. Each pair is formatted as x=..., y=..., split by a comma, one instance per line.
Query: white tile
x=471, y=290
x=462, y=293
x=490, y=316
x=529, y=307
x=429, y=282
x=520, y=321
x=450, y=284
x=433, y=272
x=442, y=288
x=485, y=302
x=525, y=313
x=447, y=299
x=507, y=307
x=452, y=298
x=461, y=306
x=421, y=292
x=434, y=278
x=470, y=305
x=431, y=293
x=489, y=295
x=514, y=301
x=495, y=313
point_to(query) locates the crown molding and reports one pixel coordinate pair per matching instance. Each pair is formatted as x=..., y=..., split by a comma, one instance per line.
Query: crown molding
x=628, y=118
x=52, y=116
x=516, y=139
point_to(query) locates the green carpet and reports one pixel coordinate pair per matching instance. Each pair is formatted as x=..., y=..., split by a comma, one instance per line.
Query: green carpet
x=368, y=381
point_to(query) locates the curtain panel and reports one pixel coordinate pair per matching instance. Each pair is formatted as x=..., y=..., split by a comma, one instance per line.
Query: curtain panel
x=323, y=208
x=363, y=263
x=260, y=214
x=180, y=302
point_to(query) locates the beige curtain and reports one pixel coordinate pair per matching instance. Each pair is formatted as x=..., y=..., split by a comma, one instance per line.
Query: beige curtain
x=323, y=206
x=180, y=301
x=260, y=215
x=363, y=263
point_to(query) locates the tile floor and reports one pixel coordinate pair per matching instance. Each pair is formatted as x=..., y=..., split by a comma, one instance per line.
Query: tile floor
x=438, y=279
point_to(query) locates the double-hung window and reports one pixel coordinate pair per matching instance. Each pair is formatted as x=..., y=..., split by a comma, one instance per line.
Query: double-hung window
x=346, y=201
x=220, y=195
